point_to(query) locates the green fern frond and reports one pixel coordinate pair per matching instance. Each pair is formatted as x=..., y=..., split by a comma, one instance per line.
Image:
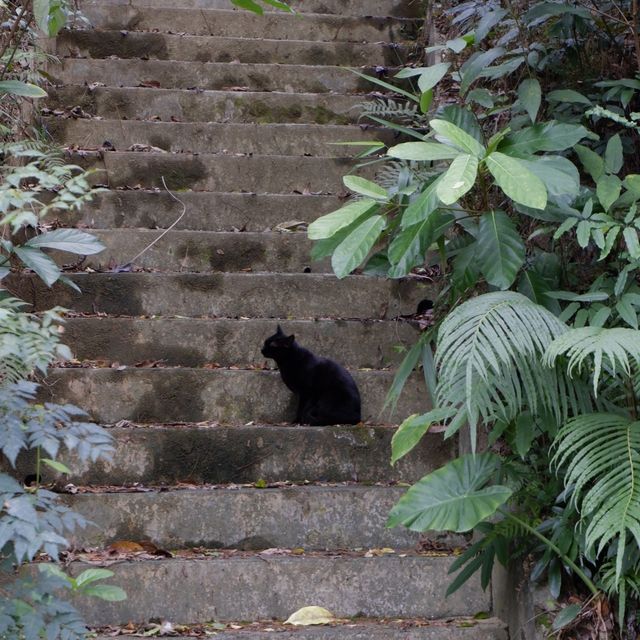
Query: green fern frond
x=617, y=349
x=600, y=456
x=489, y=360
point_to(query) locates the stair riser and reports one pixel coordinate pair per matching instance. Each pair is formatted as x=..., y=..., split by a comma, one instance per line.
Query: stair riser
x=209, y=106
x=280, y=140
x=260, y=174
x=164, y=46
x=249, y=589
x=206, y=211
x=317, y=518
x=194, y=343
x=219, y=76
x=243, y=24
x=196, y=395
x=219, y=455
x=229, y=295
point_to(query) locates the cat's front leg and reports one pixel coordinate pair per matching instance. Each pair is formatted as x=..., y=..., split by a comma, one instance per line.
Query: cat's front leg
x=302, y=407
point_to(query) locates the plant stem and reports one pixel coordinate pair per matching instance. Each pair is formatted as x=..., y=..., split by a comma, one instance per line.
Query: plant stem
x=576, y=569
x=38, y=465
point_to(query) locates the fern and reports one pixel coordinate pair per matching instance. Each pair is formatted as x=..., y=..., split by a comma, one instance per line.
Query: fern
x=389, y=108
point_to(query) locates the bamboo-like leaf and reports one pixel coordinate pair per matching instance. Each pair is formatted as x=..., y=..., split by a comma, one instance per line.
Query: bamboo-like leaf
x=423, y=151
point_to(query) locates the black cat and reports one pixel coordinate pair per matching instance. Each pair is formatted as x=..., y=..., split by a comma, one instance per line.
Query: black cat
x=328, y=393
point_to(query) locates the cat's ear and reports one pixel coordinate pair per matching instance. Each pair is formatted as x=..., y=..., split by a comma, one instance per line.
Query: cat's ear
x=289, y=340
x=279, y=331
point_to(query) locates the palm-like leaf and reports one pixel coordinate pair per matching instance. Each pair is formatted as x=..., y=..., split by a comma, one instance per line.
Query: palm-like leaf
x=489, y=360
x=600, y=456
x=615, y=349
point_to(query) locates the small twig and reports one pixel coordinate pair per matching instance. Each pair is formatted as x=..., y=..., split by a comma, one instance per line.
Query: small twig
x=164, y=233
x=634, y=30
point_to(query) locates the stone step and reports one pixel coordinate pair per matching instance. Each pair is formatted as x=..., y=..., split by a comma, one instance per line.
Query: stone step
x=194, y=342
x=229, y=295
x=164, y=46
x=139, y=103
x=203, y=252
x=205, y=454
x=219, y=76
x=317, y=517
x=207, y=172
x=258, y=587
x=400, y=8
x=359, y=629
x=258, y=139
x=206, y=211
x=243, y=24
x=228, y=396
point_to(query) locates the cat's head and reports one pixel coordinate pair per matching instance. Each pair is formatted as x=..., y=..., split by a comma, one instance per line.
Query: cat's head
x=277, y=345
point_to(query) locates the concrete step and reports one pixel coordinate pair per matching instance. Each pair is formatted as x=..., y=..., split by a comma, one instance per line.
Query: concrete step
x=401, y=8
x=220, y=76
x=170, y=454
x=250, y=588
x=193, y=342
x=243, y=24
x=360, y=629
x=139, y=103
x=317, y=517
x=207, y=172
x=228, y=295
x=203, y=252
x=206, y=211
x=228, y=396
x=258, y=139
x=164, y=46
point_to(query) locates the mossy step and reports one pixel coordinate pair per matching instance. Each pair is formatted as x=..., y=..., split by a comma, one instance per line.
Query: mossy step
x=229, y=396
x=220, y=76
x=306, y=517
x=198, y=453
x=259, y=139
x=208, y=172
x=254, y=588
x=165, y=46
x=139, y=103
x=244, y=24
x=207, y=211
x=229, y=295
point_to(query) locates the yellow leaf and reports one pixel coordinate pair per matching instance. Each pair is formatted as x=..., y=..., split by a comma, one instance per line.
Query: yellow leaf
x=310, y=615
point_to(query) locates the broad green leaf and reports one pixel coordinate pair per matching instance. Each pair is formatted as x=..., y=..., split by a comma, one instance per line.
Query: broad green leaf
x=487, y=22
x=4, y=272
x=482, y=96
x=566, y=616
x=249, y=5
x=92, y=575
x=352, y=251
x=386, y=85
x=525, y=432
x=459, y=178
x=426, y=98
x=423, y=151
x=568, y=95
x=500, y=250
x=279, y=5
x=613, y=157
x=583, y=233
x=408, y=364
x=593, y=164
x=608, y=190
x=24, y=89
x=530, y=95
x=422, y=206
x=627, y=312
x=559, y=175
x=631, y=240
x=632, y=183
x=428, y=77
x=56, y=465
x=449, y=133
x=71, y=240
x=517, y=182
x=504, y=69
x=457, y=44
x=42, y=264
x=365, y=187
x=464, y=119
x=107, y=592
x=410, y=432
x=472, y=69
x=328, y=225
x=453, y=498
x=547, y=136
x=547, y=9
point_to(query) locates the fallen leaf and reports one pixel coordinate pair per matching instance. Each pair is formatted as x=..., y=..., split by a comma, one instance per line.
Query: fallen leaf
x=310, y=615
x=124, y=546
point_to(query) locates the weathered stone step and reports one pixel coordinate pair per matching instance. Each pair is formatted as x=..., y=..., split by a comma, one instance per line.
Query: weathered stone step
x=243, y=24
x=220, y=76
x=258, y=139
x=194, y=342
x=206, y=211
x=135, y=103
x=229, y=295
x=203, y=251
x=265, y=587
x=401, y=8
x=316, y=517
x=169, y=454
x=206, y=172
x=229, y=396
x=164, y=46
x=359, y=629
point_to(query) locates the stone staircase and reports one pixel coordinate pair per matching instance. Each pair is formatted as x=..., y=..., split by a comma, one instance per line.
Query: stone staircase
x=226, y=116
